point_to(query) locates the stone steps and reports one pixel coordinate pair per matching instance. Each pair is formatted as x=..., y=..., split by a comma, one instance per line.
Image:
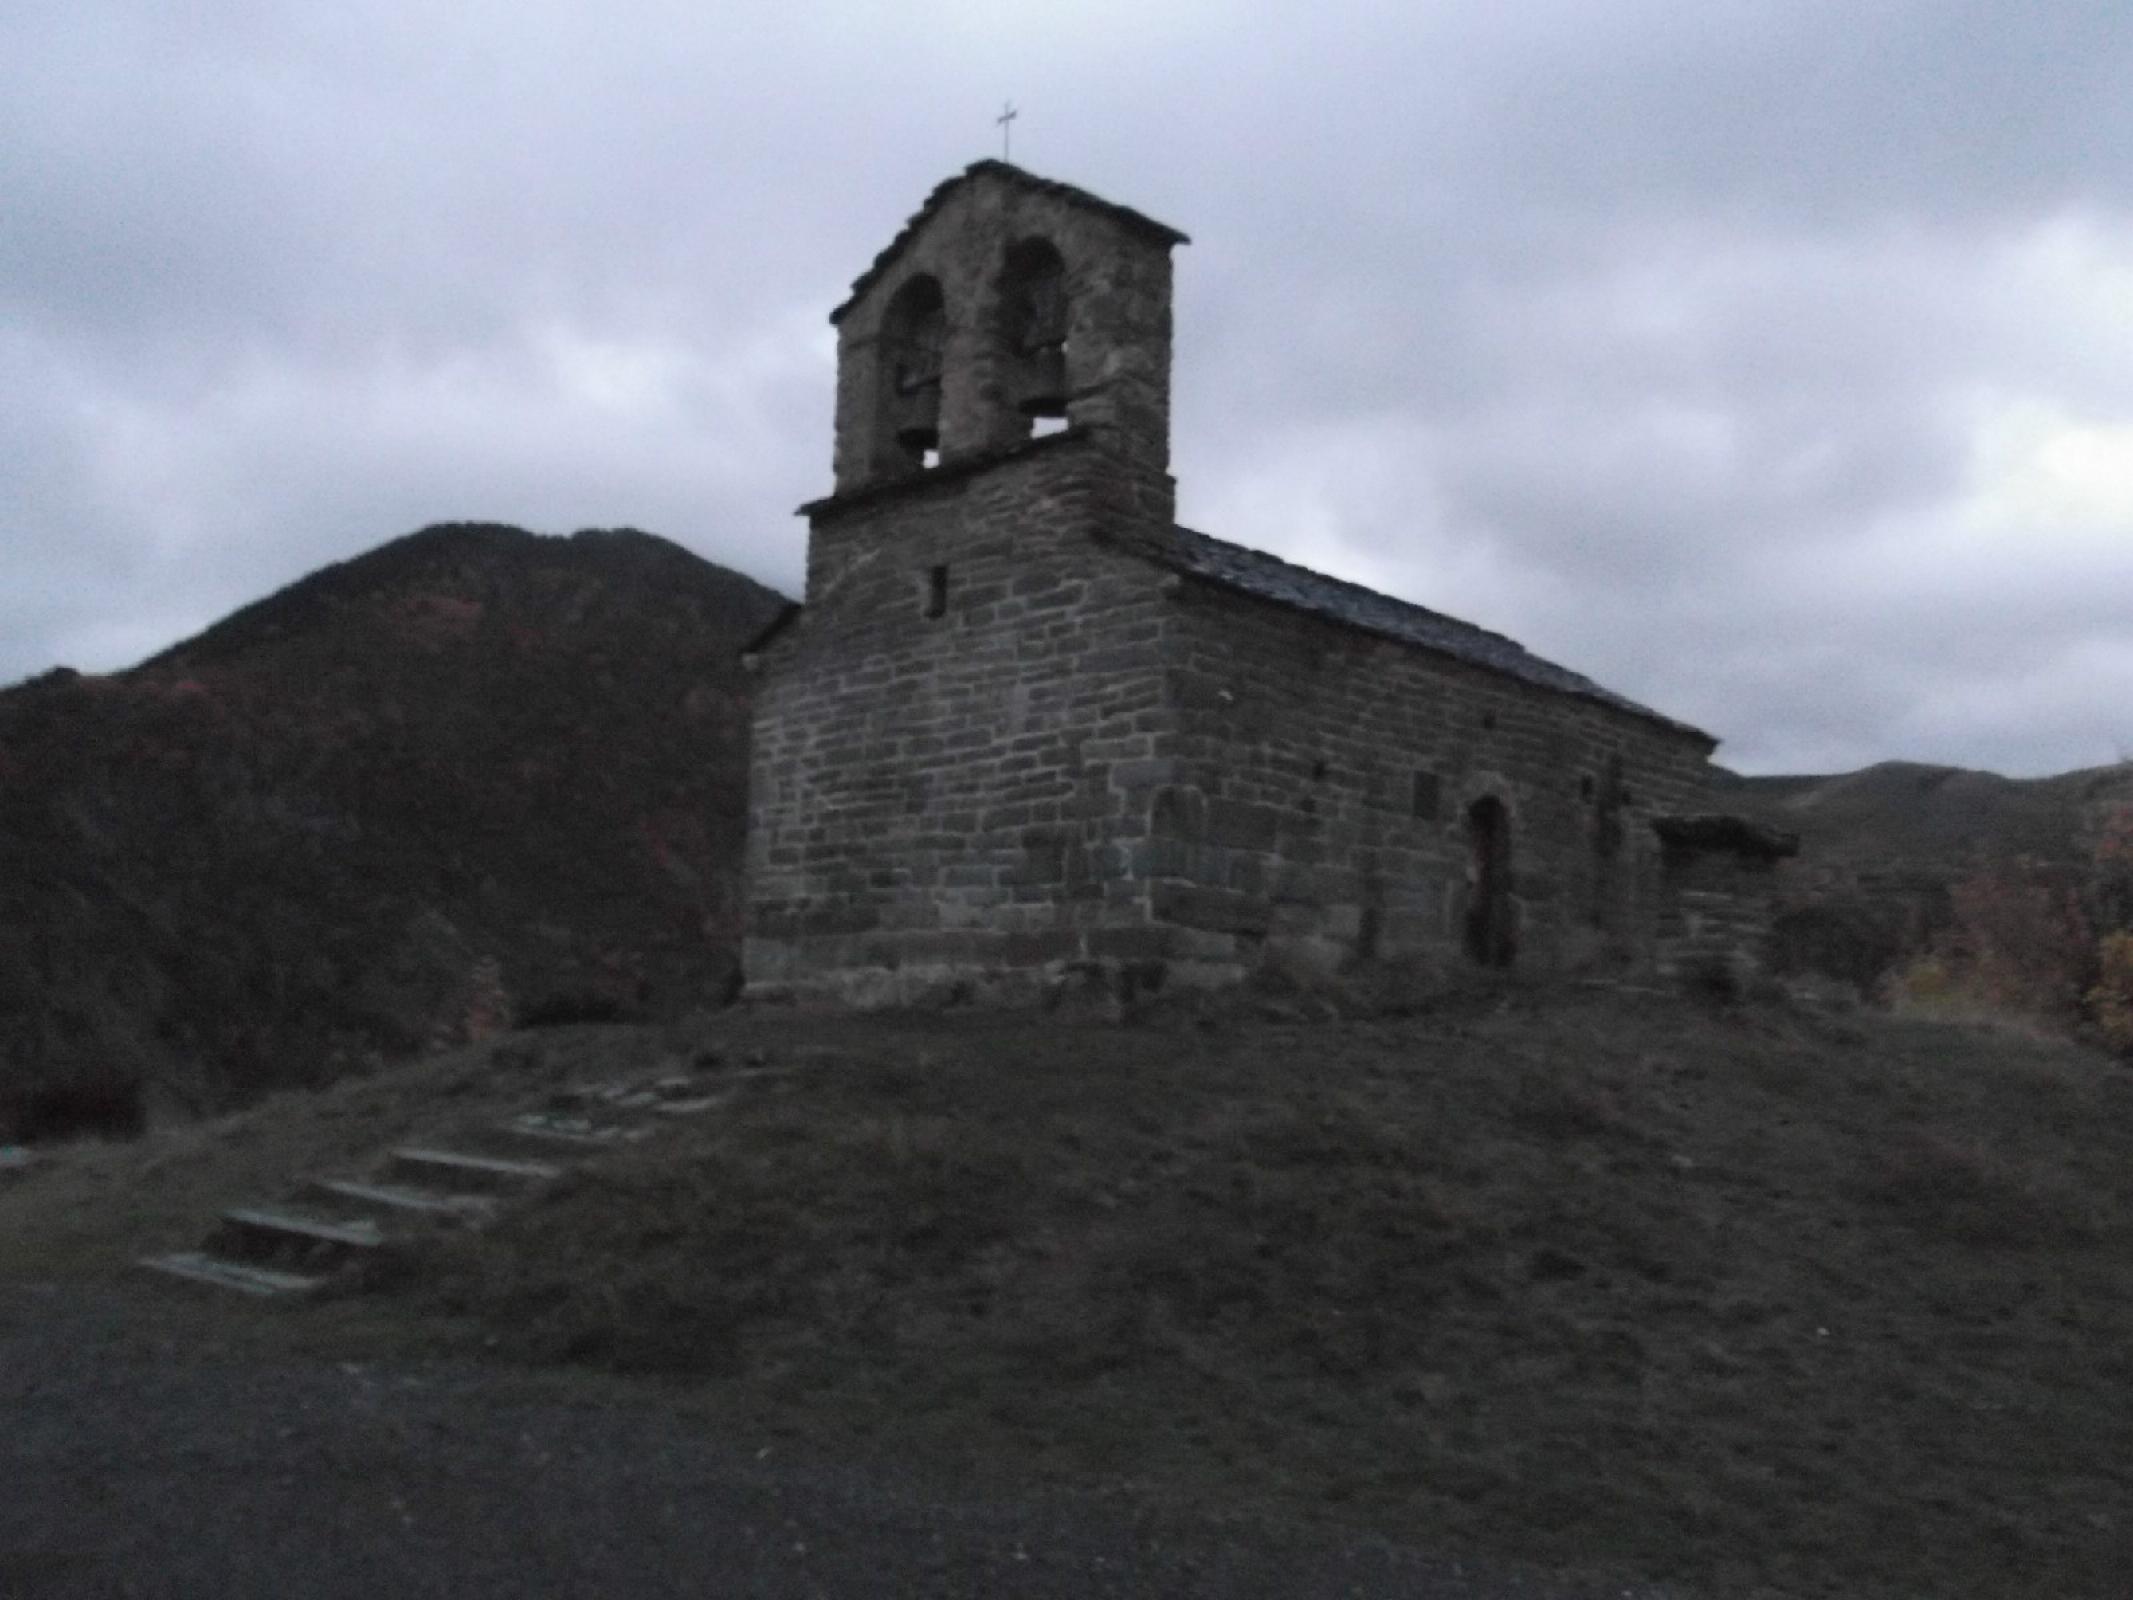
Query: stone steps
x=282, y=1249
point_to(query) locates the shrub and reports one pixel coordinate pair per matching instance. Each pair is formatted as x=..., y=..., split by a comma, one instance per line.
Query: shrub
x=98, y=1106
x=2111, y=1000
x=1855, y=940
x=2024, y=942
x=2112, y=889
x=560, y=1010
x=1924, y=982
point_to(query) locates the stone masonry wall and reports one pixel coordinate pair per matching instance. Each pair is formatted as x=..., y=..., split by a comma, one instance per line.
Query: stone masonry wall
x=949, y=803
x=1317, y=791
x=1717, y=916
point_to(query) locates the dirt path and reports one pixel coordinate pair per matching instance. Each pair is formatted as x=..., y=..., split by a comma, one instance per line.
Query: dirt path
x=141, y=1456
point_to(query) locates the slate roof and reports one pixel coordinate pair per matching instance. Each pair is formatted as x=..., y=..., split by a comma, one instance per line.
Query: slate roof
x=1266, y=577
x=1160, y=232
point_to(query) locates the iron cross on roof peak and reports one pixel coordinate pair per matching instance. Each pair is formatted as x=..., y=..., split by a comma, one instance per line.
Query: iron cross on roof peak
x=1006, y=120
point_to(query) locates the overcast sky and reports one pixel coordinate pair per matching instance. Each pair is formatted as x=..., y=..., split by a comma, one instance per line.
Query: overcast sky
x=1771, y=363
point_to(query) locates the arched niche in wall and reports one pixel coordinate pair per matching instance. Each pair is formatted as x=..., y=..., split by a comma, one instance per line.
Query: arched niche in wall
x=1033, y=330
x=1491, y=913
x=914, y=339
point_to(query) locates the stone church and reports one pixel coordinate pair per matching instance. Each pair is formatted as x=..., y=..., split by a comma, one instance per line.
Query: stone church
x=1027, y=732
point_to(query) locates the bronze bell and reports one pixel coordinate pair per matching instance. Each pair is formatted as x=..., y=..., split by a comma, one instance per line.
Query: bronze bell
x=1041, y=382
x=915, y=413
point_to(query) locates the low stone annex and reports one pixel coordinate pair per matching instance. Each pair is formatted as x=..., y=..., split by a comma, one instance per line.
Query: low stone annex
x=1027, y=732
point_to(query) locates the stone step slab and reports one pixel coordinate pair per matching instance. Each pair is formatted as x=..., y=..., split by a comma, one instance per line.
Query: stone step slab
x=276, y=1229
x=398, y=1200
x=486, y=1174
x=257, y=1250
x=577, y=1095
x=580, y=1133
x=196, y=1266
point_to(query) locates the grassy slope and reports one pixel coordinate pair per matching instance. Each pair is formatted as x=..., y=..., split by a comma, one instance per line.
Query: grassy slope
x=1742, y=1299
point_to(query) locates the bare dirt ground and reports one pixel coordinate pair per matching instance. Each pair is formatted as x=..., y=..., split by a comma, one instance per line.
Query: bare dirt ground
x=1740, y=1300
x=147, y=1453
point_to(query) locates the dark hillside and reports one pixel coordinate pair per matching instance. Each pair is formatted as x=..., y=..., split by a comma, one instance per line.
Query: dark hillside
x=472, y=774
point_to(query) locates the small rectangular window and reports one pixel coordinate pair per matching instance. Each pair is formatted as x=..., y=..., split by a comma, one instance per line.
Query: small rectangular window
x=1426, y=797
x=937, y=592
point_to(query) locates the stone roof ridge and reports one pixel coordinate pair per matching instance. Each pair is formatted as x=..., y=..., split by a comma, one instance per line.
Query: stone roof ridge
x=1124, y=215
x=1269, y=577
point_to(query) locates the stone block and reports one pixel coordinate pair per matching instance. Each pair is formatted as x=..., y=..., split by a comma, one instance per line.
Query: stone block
x=1241, y=825
x=1216, y=910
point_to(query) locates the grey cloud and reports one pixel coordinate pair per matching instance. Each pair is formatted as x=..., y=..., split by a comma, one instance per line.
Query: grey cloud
x=1857, y=110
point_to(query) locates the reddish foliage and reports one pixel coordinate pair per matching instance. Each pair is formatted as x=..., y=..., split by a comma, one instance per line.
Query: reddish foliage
x=2053, y=943
x=2111, y=1000
x=2024, y=940
x=2112, y=892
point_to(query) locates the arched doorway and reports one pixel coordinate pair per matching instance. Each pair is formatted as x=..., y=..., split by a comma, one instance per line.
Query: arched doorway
x=1491, y=930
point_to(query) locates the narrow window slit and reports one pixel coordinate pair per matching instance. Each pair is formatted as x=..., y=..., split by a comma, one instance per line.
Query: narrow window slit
x=937, y=592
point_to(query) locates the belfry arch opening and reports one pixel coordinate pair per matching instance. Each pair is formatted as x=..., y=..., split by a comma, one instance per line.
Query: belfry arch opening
x=1491, y=926
x=1033, y=329
x=914, y=334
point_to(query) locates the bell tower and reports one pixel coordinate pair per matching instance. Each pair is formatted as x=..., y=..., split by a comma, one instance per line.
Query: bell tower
x=1009, y=306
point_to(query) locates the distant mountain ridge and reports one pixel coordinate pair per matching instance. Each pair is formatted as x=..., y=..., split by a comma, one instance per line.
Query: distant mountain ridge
x=471, y=774
x=1913, y=811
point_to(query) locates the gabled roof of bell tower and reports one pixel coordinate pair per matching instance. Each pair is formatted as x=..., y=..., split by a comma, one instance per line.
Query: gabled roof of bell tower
x=1124, y=216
